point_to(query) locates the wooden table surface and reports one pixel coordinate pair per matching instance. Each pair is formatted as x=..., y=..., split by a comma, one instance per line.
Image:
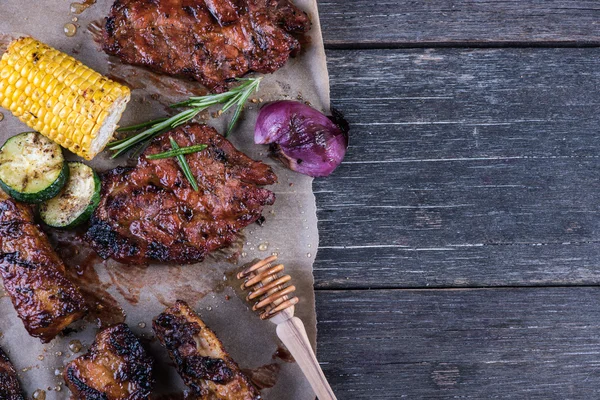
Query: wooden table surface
x=460, y=239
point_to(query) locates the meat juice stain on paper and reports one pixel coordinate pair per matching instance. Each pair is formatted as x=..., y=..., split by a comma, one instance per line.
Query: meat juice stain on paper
x=80, y=259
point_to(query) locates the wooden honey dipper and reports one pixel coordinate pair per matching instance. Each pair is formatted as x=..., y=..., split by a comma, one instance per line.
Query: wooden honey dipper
x=273, y=294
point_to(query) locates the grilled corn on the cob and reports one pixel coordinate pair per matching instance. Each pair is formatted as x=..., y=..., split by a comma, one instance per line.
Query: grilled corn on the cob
x=60, y=97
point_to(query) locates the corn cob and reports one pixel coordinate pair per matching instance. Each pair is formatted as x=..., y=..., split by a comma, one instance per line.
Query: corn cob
x=60, y=97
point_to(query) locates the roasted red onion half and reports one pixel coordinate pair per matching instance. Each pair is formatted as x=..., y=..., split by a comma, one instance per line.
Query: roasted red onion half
x=304, y=139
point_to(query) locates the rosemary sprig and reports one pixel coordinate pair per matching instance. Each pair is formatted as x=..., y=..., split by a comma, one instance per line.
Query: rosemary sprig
x=236, y=96
x=124, y=145
x=179, y=152
x=185, y=167
x=142, y=125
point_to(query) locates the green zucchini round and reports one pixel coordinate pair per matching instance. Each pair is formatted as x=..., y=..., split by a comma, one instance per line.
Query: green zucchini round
x=32, y=167
x=76, y=202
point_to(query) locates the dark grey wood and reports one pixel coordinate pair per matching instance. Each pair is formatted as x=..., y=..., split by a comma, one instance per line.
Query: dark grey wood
x=459, y=22
x=466, y=167
x=528, y=343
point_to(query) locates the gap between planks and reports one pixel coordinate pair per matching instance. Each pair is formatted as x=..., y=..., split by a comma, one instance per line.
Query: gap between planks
x=460, y=45
x=454, y=288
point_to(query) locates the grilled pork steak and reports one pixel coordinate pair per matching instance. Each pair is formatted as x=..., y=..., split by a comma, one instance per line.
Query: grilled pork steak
x=151, y=213
x=9, y=384
x=199, y=356
x=116, y=368
x=34, y=276
x=211, y=41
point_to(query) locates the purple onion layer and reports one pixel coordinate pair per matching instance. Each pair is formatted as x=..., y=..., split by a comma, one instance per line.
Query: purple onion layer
x=304, y=139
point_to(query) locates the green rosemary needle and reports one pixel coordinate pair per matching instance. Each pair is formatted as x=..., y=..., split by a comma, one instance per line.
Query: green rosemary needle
x=124, y=145
x=183, y=164
x=179, y=152
x=237, y=96
x=142, y=125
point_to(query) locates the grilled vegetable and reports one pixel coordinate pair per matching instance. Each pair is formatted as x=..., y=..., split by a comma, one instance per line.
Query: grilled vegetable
x=32, y=168
x=60, y=97
x=302, y=138
x=76, y=202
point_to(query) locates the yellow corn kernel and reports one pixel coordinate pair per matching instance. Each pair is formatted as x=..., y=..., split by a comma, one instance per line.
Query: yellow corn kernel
x=60, y=97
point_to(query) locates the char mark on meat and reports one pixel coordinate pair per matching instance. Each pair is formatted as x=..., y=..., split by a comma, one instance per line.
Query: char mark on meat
x=151, y=213
x=9, y=384
x=116, y=367
x=199, y=356
x=211, y=41
x=33, y=275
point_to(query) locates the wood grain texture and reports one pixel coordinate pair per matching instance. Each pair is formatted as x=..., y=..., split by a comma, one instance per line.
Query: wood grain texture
x=460, y=22
x=527, y=343
x=466, y=167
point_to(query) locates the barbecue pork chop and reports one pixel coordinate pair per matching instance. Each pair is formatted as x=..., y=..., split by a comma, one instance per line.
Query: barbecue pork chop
x=199, y=356
x=116, y=368
x=33, y=275
x=151, y=212
x=211, y=41
x=9, y=384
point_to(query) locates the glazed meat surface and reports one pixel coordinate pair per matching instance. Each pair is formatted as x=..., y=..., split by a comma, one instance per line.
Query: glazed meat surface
x=33, y=274
x=211, y=41
x=9, y=385
x=151, y=213
x=199, y=356
x=116, y=368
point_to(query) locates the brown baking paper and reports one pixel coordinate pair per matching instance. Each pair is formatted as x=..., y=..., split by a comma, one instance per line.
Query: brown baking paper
x=290, y=228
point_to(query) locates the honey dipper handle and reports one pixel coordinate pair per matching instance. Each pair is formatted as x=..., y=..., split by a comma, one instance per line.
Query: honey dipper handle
x=293, y=335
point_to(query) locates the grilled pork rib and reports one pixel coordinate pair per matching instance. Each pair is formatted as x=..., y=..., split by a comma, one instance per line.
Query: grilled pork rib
x=9, y=385
x=116, y=368
x=151, y=213
x=34, y=275
x=211, y=41
x=199, y=356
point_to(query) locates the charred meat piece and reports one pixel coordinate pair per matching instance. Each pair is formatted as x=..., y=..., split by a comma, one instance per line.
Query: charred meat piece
x=199, y=356
x=9, y=385
x=116, y=368
x=33, y=274
x=151, y=212
x=211, y=41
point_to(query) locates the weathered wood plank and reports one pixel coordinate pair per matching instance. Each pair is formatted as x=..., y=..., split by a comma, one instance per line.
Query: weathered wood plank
x=541, y=343
x=461, y=22
x=466, y=167
x=514, y=265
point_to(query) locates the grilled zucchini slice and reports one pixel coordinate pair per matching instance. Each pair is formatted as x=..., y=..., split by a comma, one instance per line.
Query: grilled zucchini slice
x=32, y=167
x=76, y=202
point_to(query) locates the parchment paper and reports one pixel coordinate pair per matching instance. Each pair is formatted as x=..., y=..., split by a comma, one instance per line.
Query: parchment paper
x=290, y=228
